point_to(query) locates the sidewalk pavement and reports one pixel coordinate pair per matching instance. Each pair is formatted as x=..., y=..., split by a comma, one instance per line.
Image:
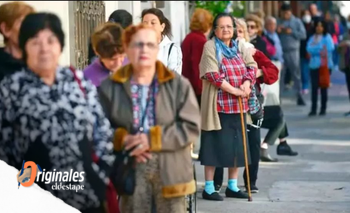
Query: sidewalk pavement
x=317, y=180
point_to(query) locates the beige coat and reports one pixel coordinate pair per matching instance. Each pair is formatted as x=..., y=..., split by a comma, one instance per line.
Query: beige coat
x=177, y=119
x=208, y=63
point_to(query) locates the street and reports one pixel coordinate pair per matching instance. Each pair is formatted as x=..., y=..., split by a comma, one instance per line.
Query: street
x=317, y=180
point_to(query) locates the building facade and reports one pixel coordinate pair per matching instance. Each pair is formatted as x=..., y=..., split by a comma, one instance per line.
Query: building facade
x=80, y=18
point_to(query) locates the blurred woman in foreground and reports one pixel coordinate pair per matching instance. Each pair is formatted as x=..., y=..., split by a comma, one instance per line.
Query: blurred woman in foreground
x=47, y=118
x=155, y=115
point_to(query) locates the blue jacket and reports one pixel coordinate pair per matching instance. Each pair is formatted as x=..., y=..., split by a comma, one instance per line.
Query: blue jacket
x=315, y=51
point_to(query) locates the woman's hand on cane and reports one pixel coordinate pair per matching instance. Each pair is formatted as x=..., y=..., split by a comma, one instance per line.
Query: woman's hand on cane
x=238, y=92
x=245, y=87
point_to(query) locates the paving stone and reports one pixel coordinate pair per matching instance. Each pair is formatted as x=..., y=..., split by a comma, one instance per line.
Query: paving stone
x=310, y=191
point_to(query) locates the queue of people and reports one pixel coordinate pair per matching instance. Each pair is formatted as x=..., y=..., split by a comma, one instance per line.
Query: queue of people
x=144, y=100
x=64, y=119
x=325, y=48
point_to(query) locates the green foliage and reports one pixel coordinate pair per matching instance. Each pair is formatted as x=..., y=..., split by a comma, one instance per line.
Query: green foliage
x=239, y=9
x=216, y=7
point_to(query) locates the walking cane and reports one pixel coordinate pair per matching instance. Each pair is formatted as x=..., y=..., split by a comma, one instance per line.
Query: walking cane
x=245, y=148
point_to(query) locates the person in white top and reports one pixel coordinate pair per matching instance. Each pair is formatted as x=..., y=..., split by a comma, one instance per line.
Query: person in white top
x=169, y=53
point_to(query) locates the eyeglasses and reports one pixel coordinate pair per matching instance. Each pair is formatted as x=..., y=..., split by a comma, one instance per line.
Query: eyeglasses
x=229, y=27
x=140, y=45
x=251, y=27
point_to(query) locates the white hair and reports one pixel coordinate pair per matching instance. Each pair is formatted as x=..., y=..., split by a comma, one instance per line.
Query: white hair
x=271, y=18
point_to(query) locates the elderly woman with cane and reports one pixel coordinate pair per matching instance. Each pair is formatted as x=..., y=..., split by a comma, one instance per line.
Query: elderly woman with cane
x=226, y=78
x=267, y=73
x=155, y=114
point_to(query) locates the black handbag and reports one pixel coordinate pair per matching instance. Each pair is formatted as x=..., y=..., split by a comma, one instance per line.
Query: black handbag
x=123, y=175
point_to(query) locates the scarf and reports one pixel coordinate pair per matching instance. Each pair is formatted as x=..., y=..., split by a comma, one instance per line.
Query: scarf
x=223, y=50
x=231, y=52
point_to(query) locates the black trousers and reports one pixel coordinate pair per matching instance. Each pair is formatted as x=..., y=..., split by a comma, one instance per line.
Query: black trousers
x=347, y=76
x=274, y=121
x=254, y=146
x=315, y=76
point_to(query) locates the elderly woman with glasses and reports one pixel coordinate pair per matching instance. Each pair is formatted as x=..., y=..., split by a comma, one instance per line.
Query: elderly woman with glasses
x=156, y=117
x=226, y=77
x=255, y=29
x=267, y=74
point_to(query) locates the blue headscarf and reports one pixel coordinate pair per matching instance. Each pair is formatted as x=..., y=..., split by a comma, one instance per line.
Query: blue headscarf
x=223, y=50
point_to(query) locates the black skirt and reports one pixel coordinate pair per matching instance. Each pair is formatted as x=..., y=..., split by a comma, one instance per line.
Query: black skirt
x=224, y=148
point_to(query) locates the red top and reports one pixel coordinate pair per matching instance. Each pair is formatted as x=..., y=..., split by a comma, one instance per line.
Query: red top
x=269, y=70
x=235, y=72
x=192, y=49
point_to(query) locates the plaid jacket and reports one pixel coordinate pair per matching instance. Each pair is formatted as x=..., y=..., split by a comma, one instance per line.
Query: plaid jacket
x=235, y=72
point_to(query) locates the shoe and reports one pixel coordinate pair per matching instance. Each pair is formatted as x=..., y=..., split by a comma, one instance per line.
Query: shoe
x=285, y=149
x=312, y=114
x=232, y=194
x=217, y=188
x=253, y=189
x=322, y=113
x=214, y=196
x=347, y=114
x=265, y=157
x=300, y=101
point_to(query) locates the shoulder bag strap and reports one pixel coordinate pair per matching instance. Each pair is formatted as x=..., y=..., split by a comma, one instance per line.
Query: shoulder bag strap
x=71, y=68
x=171, y=47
